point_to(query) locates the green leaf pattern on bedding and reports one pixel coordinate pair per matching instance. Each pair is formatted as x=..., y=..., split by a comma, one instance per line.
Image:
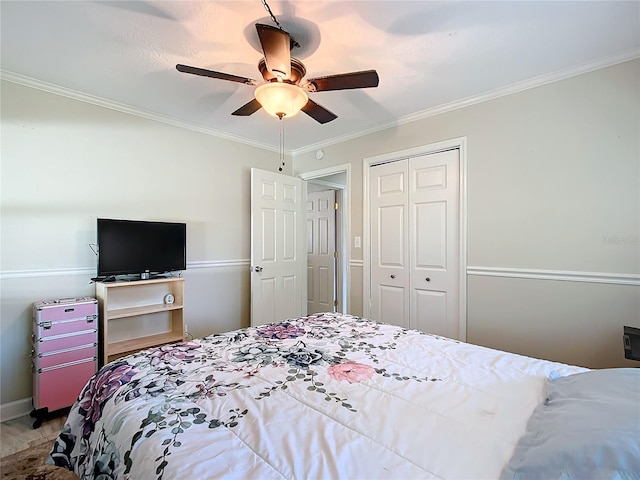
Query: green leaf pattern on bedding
x=170, y=381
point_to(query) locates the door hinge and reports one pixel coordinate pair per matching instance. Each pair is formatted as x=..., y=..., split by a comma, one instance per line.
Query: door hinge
x=335, y=206
x=335, y=254
x=335, y=303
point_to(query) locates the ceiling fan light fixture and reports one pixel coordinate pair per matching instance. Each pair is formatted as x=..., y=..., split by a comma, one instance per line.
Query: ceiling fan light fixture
x=281, y=99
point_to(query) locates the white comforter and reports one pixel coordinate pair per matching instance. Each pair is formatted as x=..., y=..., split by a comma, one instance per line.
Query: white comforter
x=321, y=397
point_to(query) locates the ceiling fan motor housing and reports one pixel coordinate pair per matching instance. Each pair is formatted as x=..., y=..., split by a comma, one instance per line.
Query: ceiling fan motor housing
x=297, y=72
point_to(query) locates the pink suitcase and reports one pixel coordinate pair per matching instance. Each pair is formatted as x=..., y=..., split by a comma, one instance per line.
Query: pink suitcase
x=64, y=353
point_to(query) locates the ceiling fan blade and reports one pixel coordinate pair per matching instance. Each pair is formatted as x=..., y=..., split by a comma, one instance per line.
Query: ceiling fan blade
x=248, y=108
x=210, y=73
x=343, y=81
x=276, y=45
x=318, y=112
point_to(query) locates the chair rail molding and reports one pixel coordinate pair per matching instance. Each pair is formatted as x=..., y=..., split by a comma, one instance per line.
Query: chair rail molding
x=558, y=275
x=56, y=272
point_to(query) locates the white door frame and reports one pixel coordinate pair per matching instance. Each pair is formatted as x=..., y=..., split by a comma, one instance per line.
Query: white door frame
x=343, y=267
x=368, y=162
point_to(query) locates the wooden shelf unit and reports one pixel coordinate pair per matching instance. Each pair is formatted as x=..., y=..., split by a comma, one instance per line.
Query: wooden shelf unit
x=138, y=309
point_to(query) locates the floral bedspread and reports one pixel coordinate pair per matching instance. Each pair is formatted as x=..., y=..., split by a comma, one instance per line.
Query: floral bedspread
x=324, y=396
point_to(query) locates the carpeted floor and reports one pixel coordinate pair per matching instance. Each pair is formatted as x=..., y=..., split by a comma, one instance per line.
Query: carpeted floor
x=29, y=464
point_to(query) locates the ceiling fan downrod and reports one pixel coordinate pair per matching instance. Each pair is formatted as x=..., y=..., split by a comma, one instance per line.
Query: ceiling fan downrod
x=275, y=20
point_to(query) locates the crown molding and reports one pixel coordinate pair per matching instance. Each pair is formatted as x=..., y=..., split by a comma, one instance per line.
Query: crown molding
x=430, y=112
x=483, y=97
x=120, y=107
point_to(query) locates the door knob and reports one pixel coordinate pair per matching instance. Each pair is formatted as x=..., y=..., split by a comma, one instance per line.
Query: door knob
x=393, y=276
x=257, y=269
x=428, y=279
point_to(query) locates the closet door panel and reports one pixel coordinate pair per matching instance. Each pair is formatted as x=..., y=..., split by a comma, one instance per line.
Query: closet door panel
x=391, y=236
x=392, y=305
x=434, y=202
x=389, y=243
x=430, y=235
x=430, y=309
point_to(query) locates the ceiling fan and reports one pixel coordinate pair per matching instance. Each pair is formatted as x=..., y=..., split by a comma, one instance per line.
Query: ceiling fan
x=284, y=92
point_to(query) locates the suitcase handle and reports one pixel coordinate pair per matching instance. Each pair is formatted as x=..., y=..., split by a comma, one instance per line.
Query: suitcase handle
x=63, y=335
x=65, y=300
x=64, y=350
x=68, y=364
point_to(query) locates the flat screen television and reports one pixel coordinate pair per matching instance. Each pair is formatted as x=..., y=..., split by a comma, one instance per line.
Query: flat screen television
x=132, y=247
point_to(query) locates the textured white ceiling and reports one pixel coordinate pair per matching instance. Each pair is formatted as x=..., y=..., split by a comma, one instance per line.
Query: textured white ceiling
x=427, y=54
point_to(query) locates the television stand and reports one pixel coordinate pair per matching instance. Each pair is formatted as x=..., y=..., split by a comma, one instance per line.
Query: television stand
x=135, y=315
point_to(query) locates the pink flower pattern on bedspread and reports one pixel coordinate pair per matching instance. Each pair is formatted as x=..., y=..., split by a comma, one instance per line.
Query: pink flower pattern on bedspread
x=351, y=372
x=172, y=392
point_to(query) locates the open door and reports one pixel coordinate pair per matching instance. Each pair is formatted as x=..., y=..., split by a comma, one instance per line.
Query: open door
x=278, y=250
x=338, y=179
x=321, y=251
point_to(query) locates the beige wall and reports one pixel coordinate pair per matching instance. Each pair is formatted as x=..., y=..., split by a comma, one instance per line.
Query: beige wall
x=65, y=163
x=554, y=186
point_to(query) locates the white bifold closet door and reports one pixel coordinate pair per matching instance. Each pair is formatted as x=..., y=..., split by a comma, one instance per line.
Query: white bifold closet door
x=414, y=208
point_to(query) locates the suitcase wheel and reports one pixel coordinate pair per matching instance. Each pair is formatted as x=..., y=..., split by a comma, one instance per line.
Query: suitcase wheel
x=40, y=415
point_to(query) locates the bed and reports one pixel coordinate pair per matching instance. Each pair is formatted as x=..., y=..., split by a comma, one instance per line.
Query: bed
x=334, y=396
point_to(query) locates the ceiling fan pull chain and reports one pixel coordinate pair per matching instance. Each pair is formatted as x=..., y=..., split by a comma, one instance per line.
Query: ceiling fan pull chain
x=281, y=143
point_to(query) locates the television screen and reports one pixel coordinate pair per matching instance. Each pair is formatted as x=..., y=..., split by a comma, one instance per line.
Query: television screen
x=138, y=247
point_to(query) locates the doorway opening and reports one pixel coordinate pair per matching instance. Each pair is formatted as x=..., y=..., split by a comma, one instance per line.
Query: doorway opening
x=337, y=179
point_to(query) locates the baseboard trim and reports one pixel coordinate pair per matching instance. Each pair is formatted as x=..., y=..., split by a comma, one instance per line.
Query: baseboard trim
x=19, y=408
x=558, y=275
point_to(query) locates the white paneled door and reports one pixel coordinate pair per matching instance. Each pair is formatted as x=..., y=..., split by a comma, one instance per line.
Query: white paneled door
x=389, y=238
x=278, y=253
x=415, y=217
x=321, y=251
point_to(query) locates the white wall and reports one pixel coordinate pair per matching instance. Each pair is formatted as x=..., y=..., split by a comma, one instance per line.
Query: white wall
x=65, y=163
x=553, y=179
